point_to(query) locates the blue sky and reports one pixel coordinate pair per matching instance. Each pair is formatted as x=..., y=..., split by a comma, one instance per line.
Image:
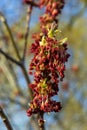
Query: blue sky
x=13, y=9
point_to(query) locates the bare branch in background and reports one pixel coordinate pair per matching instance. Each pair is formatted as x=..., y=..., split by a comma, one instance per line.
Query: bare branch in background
x=28, y=18
x=2, y=18
x=9, y=57
x=5, y=119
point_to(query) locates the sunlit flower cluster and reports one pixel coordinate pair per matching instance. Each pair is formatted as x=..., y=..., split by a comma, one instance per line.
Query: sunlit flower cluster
x=48, y=63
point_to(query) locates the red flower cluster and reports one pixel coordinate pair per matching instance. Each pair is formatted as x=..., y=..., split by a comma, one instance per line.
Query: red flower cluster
x=53, y=8
x=48, y=64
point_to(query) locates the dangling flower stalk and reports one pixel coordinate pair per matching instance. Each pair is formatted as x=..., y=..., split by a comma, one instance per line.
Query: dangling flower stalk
x=48, y=63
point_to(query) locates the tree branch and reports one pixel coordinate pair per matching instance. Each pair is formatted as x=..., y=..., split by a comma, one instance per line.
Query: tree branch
x=5, y=119
x=2, y=18
x=28, y=18
x=41, y=121
x=27, y=80
x=9, y=57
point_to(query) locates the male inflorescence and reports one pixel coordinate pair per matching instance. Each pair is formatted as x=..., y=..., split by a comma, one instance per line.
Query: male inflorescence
x=48, y=63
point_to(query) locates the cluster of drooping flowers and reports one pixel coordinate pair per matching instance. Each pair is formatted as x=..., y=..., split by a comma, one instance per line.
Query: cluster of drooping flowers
x=48, y=63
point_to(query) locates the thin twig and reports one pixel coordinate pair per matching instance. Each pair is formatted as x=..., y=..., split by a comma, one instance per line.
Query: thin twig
x=41, y=120
x=3, y=19
x=28, y=18
x=5, y=119
x=9, y=57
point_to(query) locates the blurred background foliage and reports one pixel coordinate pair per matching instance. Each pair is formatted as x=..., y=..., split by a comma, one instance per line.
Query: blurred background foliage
x=73, y=90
